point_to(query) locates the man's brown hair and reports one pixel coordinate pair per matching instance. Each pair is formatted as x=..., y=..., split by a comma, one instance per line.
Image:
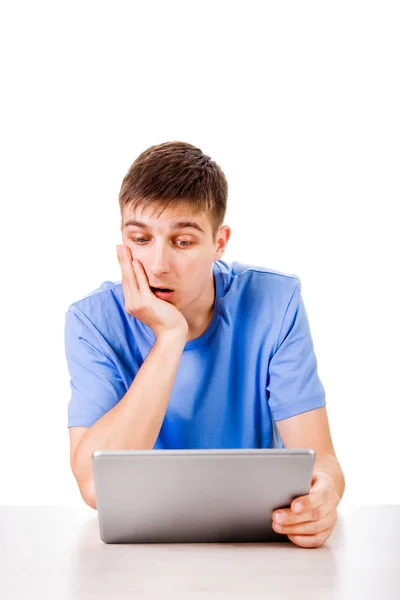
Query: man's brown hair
x=174, y=172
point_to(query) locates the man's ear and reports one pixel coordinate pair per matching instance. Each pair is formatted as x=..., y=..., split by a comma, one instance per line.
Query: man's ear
x=223, y=236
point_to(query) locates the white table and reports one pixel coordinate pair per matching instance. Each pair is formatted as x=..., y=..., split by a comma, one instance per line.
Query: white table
x=55, y=552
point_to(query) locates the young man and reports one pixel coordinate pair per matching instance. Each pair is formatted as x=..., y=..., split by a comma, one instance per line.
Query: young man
x=222, y=358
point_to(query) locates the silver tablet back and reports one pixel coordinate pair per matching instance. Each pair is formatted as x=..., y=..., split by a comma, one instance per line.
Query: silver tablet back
x=164, y=496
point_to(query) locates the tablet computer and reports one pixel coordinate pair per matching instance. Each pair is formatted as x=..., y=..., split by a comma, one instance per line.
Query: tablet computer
x=224, y=495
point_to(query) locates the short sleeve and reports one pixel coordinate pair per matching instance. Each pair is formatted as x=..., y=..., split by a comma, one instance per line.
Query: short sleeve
x=293, y=384
x=96, y=385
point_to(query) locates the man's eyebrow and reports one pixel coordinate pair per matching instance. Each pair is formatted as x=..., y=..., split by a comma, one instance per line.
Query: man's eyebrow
x=174, y=225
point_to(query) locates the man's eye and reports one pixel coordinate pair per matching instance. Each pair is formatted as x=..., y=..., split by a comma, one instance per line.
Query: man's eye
x=185, y=242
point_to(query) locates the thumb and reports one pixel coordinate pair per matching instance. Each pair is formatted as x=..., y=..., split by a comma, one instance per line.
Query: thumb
x=318, y=482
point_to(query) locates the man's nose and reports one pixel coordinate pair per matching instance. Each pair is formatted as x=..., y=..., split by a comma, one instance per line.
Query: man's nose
x=159, y=259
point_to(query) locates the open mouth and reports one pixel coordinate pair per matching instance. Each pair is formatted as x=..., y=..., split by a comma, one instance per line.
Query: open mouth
x=154, y=289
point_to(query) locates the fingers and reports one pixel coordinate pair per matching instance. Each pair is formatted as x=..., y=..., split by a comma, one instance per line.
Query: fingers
x=313, y=514
x=141, y=276
x=320, y=500
x=309, y=527
x=128, y=273
x=315, y=505
x=311, y=541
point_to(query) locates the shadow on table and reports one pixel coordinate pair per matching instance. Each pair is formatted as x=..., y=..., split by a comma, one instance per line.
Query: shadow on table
x=113, y=570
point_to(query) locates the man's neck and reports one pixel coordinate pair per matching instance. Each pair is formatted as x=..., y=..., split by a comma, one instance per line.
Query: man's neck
x=198, y=327
x=193, y=334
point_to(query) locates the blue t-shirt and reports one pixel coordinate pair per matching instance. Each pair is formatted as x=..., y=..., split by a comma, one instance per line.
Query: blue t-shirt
x=254, y=365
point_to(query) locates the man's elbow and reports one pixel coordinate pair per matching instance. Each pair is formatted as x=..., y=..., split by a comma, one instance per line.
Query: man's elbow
x=85, y=483
x=91, y=501
x=88, y=494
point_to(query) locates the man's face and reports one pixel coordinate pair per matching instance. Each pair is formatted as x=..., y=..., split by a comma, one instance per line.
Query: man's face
x=174, y=256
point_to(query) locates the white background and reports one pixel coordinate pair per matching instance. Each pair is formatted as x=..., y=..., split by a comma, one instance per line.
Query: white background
x=299, y=104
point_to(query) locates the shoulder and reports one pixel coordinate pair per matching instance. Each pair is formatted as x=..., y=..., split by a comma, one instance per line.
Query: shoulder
x=107, y=293
x=259, y=281
x=100, y=308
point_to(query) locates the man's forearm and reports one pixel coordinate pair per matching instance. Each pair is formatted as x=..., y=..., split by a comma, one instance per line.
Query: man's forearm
x=135, y=421
x=329, y=464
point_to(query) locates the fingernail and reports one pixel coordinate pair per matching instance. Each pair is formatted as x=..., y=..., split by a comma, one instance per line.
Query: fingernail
x=297, y=507
x=279, y=517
